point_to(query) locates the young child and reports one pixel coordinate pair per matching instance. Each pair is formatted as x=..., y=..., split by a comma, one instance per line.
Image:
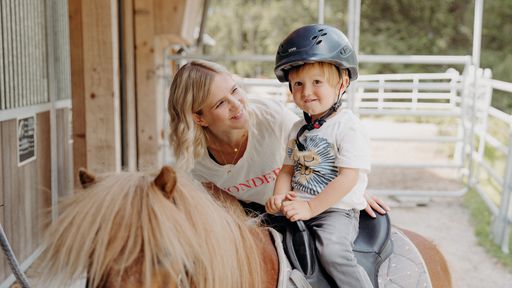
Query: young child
x=325, y=169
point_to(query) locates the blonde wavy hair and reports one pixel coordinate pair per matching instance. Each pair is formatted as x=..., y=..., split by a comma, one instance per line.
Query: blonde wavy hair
x=189, y=91
x=135, y=230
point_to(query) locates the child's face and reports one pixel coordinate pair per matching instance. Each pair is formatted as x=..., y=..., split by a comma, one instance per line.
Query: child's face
x=312, y=92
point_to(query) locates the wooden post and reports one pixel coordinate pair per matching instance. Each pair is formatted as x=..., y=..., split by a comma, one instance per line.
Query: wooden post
x=156, y=22
x=95, y=84
x=148, y=125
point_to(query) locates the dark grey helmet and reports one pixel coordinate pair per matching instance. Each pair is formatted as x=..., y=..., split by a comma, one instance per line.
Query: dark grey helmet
x=315, y=43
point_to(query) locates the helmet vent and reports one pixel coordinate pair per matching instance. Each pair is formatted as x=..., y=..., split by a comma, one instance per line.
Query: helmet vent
x=320, y=30
x=323, y=34
x=318, y=42
x=314, y=37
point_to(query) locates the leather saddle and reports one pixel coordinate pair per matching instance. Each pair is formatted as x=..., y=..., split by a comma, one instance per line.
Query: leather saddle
x=372, y=247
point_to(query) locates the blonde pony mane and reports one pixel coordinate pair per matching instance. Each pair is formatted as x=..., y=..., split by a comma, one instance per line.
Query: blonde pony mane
x=124, y=221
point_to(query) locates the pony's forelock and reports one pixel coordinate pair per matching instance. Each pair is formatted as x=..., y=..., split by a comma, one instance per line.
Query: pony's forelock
x=124, y=221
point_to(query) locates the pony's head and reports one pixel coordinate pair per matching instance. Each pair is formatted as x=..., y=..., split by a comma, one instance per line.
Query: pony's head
x=138, y=230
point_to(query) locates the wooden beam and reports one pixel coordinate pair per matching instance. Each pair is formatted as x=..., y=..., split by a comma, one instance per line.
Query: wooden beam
x=129, y=94
x=177, y=17
x=149, y=121
x=158, y=24
x=98, y=72
x=77, y=87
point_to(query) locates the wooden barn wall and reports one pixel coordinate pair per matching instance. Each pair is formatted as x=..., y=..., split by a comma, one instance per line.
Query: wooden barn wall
x=26, y=190
x=25, y=82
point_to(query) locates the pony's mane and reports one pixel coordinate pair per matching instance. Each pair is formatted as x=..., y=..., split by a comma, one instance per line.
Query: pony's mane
x=124, y=220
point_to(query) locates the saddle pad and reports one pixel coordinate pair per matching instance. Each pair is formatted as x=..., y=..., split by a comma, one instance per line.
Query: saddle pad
x=288, y=277
x=405, y=267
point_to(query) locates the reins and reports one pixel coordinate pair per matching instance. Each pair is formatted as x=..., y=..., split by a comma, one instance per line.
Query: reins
x=13, y=262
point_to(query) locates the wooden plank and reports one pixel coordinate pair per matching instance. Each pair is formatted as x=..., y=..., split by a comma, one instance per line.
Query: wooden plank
x=43, y=197
x=129, y=93
x=168, y=16
x=1, y=169
x=77, y=87
x=21, y=213
x=3, y=263
x=64, y=150
x=145, y=79
x=9, y=154
x=154, y=22
x=147, y=100
x=101, y=84
x=177, y=17
x=4, y=266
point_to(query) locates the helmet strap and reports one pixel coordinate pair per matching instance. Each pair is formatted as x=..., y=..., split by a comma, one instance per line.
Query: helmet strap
x=317, y=123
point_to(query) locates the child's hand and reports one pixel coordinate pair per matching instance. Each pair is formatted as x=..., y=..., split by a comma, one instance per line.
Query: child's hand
x=275, y=202
x=297, y=210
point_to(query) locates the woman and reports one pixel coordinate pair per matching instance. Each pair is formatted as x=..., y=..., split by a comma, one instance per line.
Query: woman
x=234, y=145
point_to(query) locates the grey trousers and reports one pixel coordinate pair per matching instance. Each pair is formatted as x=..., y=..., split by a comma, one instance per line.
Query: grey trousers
x=335, y=231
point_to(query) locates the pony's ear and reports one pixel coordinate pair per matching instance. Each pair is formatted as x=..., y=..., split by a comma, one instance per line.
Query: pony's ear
x=166, y=181
x=86, y=178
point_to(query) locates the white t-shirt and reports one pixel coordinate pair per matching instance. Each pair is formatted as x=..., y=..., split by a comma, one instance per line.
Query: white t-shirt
x=340, y=142
x=252, y=178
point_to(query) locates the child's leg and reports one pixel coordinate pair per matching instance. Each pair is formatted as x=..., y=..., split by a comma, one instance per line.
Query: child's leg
x=335, y=231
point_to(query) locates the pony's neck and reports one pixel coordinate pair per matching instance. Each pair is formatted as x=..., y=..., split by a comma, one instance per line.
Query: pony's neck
x=269, y=261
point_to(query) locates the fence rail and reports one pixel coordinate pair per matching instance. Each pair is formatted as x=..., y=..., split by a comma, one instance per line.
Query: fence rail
x=495, y=183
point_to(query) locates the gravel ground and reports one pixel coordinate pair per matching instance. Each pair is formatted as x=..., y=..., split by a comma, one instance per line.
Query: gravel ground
x=443, y=220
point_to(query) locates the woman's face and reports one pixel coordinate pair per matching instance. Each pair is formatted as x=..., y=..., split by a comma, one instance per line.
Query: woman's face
x=225, y=108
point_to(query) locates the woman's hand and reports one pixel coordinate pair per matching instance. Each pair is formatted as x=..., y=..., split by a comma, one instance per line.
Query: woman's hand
x=375, y=203
x=297, y=210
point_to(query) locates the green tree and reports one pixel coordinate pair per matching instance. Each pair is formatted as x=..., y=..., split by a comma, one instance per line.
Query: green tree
x=392, y=27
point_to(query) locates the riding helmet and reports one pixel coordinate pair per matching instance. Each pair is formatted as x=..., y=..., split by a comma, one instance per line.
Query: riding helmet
x=315, y=43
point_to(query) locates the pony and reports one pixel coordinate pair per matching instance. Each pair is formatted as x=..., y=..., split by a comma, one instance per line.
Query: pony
x=134, y=229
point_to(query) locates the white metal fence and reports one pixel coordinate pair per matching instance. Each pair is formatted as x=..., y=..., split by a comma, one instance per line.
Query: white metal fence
x=492, y=158
x=414, y=95
x=449, y=95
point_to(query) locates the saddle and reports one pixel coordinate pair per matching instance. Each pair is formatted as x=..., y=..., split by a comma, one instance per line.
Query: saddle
x=372, y=247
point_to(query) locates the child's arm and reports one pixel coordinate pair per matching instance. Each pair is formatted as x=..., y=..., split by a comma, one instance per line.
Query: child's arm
x=333, y=192
x=282, y=188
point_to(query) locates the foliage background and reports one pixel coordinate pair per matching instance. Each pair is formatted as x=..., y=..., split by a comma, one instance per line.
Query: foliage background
x=392, y=27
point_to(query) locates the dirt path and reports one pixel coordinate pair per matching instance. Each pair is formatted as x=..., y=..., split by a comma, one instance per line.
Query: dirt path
x=443, y=220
